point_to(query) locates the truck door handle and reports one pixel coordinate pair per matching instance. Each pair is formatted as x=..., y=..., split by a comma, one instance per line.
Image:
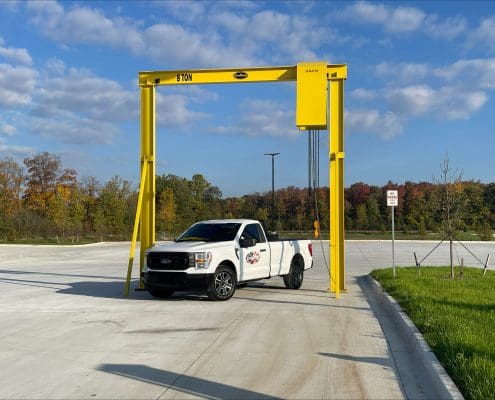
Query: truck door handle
x=262, y=249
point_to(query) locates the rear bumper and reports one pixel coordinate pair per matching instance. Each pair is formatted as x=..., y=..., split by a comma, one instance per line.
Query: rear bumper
x=177, y=280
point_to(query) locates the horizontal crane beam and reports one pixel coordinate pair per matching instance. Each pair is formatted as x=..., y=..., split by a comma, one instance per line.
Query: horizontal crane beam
x=231, y=75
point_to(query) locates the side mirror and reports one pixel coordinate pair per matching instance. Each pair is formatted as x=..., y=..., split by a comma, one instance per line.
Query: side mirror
x=245, y=243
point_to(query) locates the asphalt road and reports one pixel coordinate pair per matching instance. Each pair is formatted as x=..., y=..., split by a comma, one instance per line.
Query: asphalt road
x=67, y=332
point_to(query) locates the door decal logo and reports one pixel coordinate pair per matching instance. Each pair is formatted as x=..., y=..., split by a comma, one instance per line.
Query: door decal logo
x=253, y=257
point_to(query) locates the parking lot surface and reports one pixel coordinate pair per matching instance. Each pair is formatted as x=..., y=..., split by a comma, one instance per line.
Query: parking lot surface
x=67, y=332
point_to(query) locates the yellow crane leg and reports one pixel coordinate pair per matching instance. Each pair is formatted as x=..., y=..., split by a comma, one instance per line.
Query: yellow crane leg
x=136, y=226
x=337, y=265
x=147, y=235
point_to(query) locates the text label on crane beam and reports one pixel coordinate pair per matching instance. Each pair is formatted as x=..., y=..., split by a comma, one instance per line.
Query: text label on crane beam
x=184, y=77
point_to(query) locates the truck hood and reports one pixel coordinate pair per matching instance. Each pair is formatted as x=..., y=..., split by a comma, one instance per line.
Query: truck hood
x=189, y=246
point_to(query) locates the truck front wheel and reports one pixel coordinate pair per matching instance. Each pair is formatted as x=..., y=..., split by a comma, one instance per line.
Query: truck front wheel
x=294, y=279
x=222, y=286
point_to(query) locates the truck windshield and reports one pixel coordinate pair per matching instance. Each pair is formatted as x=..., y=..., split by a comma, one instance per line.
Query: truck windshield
x=204, y=232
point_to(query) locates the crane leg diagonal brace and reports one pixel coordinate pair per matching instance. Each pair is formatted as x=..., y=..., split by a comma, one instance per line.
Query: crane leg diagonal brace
x=312, y=80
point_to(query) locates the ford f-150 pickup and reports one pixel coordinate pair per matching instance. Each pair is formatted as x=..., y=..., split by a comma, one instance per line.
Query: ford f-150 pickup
x=215, y=256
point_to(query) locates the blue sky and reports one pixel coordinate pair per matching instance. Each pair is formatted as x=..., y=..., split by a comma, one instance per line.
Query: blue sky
x=421, y=80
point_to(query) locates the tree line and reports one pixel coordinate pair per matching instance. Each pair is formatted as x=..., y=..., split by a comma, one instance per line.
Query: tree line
x=41, y=199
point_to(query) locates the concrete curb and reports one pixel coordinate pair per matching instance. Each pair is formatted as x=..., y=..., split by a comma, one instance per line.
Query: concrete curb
x=442, y=382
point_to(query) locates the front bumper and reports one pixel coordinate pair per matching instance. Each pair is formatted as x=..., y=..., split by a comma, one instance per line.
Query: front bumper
x=177, y=280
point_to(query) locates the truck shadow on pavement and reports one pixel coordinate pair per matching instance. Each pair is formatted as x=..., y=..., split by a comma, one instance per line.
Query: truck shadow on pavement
x=190, y=385
x=115, y=290
x=106, y=289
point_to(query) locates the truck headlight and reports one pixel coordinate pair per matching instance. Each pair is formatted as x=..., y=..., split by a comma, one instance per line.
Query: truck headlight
x=200, y=260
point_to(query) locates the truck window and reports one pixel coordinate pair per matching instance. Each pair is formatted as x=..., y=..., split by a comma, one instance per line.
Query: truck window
x=205, y=232
x=253, y=231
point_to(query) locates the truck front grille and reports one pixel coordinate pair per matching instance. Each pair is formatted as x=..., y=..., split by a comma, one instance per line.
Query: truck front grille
x=168, y=261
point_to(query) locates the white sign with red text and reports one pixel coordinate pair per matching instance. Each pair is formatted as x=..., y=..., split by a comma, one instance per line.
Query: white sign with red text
x=392, y=198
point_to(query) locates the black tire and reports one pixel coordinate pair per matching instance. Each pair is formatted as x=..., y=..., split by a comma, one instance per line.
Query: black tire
x=294, y=279
x=160, y=293
x=222, y=286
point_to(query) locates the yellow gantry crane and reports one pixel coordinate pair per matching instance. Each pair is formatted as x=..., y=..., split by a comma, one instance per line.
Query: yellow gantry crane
x=312, y=113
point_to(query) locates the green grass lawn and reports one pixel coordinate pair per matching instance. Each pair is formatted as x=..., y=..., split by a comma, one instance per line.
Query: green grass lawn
x=456, y=317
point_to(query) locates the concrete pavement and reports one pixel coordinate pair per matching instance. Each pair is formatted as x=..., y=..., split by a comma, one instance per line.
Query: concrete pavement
x=67, y=332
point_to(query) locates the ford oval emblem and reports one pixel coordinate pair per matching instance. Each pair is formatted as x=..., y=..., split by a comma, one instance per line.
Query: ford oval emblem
x=165, y=261
x=240, y=75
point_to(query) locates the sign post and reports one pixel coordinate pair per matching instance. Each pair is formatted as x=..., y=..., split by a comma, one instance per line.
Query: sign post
x=393, y=201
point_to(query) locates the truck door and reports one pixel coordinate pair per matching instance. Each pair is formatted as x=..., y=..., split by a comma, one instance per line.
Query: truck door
x=254, y=260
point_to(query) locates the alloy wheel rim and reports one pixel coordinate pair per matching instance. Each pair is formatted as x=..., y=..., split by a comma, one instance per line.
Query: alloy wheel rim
x=223, y=283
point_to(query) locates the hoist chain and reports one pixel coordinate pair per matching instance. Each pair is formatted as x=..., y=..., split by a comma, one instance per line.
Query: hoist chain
x=314, y=180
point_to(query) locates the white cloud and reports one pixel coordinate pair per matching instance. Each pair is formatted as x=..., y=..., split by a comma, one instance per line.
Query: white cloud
x=14, y=150
x=479, y=73
x=230, y=21
x=80, y=92
x=404, y=19
x=7, y=129
x=185, y=10
x=232, y=32
x=386, y=125
x=175, y=45
x=372, y=13
x=447, y=29
x=363, y=94
x=15, y=54
x=402, y=72
x=17, y=84
x=84, y=25
x=401, y=19
x=447, y=102
x=74, y=129
x=464, y=89
x=411, y=100
x=483, y=35
x=173, y=110
x=262, y=118
x=78, y=107
x=455, y=105
x=11, y=5
x=55, y=66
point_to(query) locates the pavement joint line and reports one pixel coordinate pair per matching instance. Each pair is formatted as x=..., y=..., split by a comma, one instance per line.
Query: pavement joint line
x=440, y=380
x=172, y=384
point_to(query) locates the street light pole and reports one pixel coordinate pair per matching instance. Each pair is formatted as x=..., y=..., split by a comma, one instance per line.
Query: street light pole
x=273, y=186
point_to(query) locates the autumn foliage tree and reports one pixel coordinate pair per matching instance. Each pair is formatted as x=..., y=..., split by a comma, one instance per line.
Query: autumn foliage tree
x=46, y=200
x=11, y=181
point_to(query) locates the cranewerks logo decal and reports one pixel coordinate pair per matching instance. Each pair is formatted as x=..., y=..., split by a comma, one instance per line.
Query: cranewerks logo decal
x=252, y=257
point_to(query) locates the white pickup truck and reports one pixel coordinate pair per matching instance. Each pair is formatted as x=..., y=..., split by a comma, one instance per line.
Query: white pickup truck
x=216, y=256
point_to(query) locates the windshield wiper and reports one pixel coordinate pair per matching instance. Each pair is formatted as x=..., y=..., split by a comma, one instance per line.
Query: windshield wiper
x=192, y=239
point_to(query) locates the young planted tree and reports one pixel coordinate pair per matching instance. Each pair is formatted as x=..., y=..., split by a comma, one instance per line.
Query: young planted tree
x=452, y=202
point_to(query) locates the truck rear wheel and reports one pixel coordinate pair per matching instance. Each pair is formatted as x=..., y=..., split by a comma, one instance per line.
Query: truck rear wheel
x=222, y=286
x=294, y=279
x=160, y=293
